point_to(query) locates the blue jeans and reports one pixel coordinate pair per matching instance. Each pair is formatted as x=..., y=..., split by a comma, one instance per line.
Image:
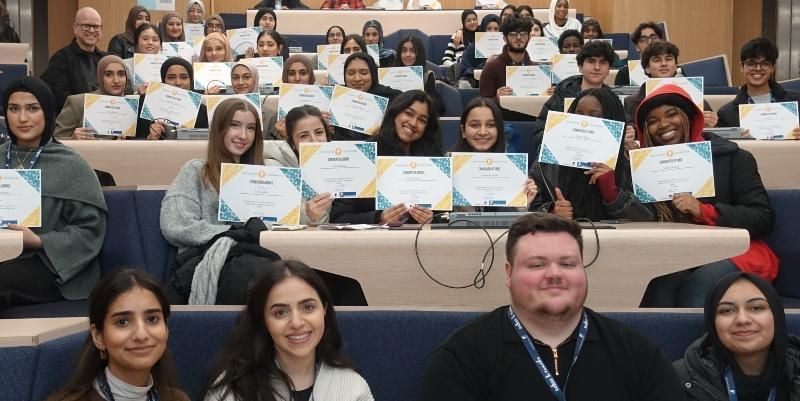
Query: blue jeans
x=686, y=288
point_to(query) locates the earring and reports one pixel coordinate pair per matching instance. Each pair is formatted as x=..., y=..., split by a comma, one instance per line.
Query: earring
x=103, y=353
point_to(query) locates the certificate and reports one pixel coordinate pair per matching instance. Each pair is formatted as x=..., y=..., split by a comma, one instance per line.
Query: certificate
x=243, y=39
x=356, y=110
x=208, y=74
x=490, y=179
x=564, y=66
x=147, y=68
x=529, y=80
x=662, y=171
x=541, y=49
x=421, y=181
x=269, y=193
x=212, y=101
x=296, y=95
x=110, y=115
x=692, y=85
x=21, y=197
x=193, y=31
x=336, y=68
x=568, y=103
x=575, y=140
x=270, y=70
x=183, y=50
x=488, y=44
x=323, y=54
x=178, y=106
x=401, y=78
x=375, y=52
x=197, y=45
x=636, y=75
x=345, y=169
x=769, y=120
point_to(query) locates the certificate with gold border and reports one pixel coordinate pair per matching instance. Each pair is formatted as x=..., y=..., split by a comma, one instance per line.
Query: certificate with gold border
x=296, y=95
x=206, y=74
x=324, y=52
x=213, y=101
x=345, y=169
x=356, y=110
x=21, y=197
x=111, y=115
x=147, y=67
x=662, y=171
x=490, y=179
x=528, y=80
x=488, y=44
x=335, y=63
x=184, y=50
x=542, y=49
x=401, y=78
x=692, y=85
x=575, y=140
x=270, y=70
x=421, y=181
x=564, y=66
x=269, y=193
x=769, y=120
x=636, y=75
x=242, y=39
x=177, y=106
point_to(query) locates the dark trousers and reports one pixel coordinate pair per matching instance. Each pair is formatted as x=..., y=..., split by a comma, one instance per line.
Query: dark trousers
x=26, y=281
x=685, y=288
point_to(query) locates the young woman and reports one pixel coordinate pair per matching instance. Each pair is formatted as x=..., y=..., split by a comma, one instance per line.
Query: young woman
x=195, y=12
x=147, y=39
x=489, y=23
x=525, y=11
x=245, y=79
x=296, y=70
x=509, y=11
x=373, y=35
x=482, y=131
x=303, y=124
x=560, y=20
x=286, y=344
x=537, y=29
x=353, y=44
x=216, y=49
x=410, y=127
x=570, y=42
x=125, y=355
x=591, y=29
x=335, y=35
x=269, y=44
x=668, y=116
x=123, y=44
x=746, y=350
x=266, y=19
x=58, y=259
x=113, y=78
x=215, y=23
x=462, y=38
x=411, y=52
x=172, y=28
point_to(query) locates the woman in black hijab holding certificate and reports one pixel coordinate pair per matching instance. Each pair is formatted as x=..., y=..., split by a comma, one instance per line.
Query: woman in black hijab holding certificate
x=60, y=249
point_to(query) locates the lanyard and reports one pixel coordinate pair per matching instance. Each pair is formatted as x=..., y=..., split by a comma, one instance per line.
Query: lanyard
x=527, y=341
x=102, y=380
x=731, y=386
x=33, y=161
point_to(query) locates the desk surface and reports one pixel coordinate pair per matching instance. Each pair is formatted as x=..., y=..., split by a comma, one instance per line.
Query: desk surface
x=31, y=332
x=385, y=264
x=10, y=244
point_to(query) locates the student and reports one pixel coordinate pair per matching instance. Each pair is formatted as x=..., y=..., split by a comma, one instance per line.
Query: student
x=570, y=42
x=353, y=44
x=58, y=259
x=372, y=32
x=343, y=5
x=286, y=344
x=410, y=127
x=335, y=35
x=525, y=12
x=178, y=73
x=7, y=32
x=516, y=35
x=560, y=20
x=462, y=38
x=113, y=77
x=244, y=80
x=195, y=12
x=746, y=348
x=411, y=52
x=668, y=116
x=296, y=70
x=214, y=23
x=591, y=29
x=266, y=19
x=123, y=44
x=509, y=11
x=216, y=49
x=147, y=40
x=641, y=37
x=172, y=28
x=303, y=124
x=537, y=29
x=125, y=356
x=758, y=59
x=489, y=23
x=268, y=44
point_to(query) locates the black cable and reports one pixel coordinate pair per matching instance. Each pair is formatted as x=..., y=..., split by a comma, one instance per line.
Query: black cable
x=596, y=238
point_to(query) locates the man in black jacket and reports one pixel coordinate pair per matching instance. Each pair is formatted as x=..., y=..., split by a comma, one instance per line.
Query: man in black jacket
x=73, y=69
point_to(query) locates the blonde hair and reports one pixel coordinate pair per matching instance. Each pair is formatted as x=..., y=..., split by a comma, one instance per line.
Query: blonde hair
x=217, y=153
x=220, y=38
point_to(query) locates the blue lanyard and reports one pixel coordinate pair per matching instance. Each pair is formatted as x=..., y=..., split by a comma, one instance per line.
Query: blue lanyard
x=527, y=341
x=731, y=386
x=31, y=164
x=102, y=381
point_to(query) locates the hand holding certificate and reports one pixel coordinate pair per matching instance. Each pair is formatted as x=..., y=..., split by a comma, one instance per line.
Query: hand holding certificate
x=692, y=85
x=242, y=39
x=488, y=44
x=270, y=70
x=110, y=115
x=490, y=179
x=269, y=193
x=296, y=95
x=574, y=140
x=342, y=168
x=401, y=78
x=661, y=172
x=356, y=110
x=529, y=80
x=177, y=106
x=212, y=74
x=419, y=181
x=769, y=120
x=21, y=197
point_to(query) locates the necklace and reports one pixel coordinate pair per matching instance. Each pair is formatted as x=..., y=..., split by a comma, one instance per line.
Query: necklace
x=21, y=163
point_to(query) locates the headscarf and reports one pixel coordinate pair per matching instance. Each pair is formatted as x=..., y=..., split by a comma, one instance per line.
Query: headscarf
x=101, y=70
x=253, y=70
x=216, y=17
x=218, y=37
x=163, y=28
x=383, y=52
x=177, y=61
x=749, y=387
x=486, y=20
x=130, y=23
x=299, y=58
x=43, y=94
x=467, y=35
x=193, y=2
x=261, y=12
x=376, y=88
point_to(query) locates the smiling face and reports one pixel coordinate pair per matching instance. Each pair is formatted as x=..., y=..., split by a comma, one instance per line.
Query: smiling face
x=662, y=66
x=471, y=22
x=268, y=47
x=666, y=125
x=267, y=22
x=352, y=47
x=594, y=71
x=174, y=28
x=408, y=54
x=134, y=334
x=480, y=129
x=87, y=18
x=590, y=32
x=178, y=76
x=410, y=123
x=240, y=133
x=242, y=80
x=215, y=51
x=758, y=71
x=295, y=319
x=114, y=79
x=562, y=7
x=148, y=43
x=308, y=129
x=744, y=320
x=25, y=118
x=195, y=14
x=297, y=73
x=358, y=76
x=371, y=36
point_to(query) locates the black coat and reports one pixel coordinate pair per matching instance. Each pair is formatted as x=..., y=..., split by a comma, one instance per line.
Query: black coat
x=65, y=77
x=120, y=46
x=729, y=113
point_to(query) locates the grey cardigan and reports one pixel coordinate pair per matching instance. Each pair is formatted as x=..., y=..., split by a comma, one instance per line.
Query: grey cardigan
x=280, y=154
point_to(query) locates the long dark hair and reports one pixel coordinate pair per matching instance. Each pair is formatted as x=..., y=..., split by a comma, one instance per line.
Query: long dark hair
x=500, y=146
x=275, y=36
x=358, y=38
x=430, y=144
x=246, y=363
x=373, y=68
x=141, y=30
x=419, y=48
x=261, y=12
x=328, y=32
x=298, y=113
x=90, y=364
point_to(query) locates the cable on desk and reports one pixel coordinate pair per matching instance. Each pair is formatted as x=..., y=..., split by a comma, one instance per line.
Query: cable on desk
x=596, y=239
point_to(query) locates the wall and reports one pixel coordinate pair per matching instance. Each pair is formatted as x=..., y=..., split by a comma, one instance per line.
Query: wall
x=60, y=15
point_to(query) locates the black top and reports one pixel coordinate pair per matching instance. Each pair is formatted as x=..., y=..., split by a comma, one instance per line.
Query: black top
x=623, y=77
x=72, y=71
x=485, y=360
x=303, y=395
x=120, y=46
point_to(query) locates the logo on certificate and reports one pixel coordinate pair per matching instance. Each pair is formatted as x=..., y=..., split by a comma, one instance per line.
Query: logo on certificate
x=338, y=151
x=413, y=165
x=113, y=102
x=489, y=162
x=670, y=153
x=262, y=173
x=305, y=90
x=584, y=124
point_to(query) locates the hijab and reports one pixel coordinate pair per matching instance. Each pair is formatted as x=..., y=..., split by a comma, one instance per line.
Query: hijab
x=43, y=94
x=299, y=58
x=216, y=17
x=375, y=88
x=193, y=2
x=101, y=70
x=220, y=38
x=130, y=23
x=261, y=12
x=749, y=387
x=163, y=28
x=177, y=61
x=383, y=52
x=467, y=35
x=253, y=70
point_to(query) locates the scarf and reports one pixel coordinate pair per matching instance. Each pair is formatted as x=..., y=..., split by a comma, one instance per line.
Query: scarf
x=130, y=23
x=177, y=61
x=253, y=70
x=467, y=35
x=383, y=52
x=101, y=69
x=298, y=58
x=261, y=12
x=163, y=28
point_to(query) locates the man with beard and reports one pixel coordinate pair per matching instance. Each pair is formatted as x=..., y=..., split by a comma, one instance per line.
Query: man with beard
x=516, y=34
x=546, y=345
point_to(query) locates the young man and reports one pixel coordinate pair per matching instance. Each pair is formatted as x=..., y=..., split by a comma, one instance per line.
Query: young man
x=546, y=345
x=516, y=34
x=641, y=37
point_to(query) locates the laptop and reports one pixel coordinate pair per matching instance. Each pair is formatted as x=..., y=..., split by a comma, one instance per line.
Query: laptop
x=13, y=53
x=192, y=134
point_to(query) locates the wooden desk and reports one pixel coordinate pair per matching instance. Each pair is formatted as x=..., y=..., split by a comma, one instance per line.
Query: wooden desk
x=775, y=159
x=530, y=105
x=384, y=262
x=10, y=244
x=32, y=332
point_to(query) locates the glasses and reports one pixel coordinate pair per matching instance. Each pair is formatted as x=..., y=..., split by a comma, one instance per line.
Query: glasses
x=89, y=27
x=648, y=39
x=754, y=65
x=521, y=35
x=214, y=25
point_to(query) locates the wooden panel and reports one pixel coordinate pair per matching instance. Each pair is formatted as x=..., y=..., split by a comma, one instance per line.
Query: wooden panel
x=747, y=20
x=115, y=12
x=60, y=15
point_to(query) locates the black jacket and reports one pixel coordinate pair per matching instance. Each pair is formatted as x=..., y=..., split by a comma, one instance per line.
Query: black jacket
x=700, y=372
x=631, y=103
x=143, y=125
x=569, y=87
x=729, y=113
x=65, y=77
x=120, y=46
x=623, y=77
x=290, y=4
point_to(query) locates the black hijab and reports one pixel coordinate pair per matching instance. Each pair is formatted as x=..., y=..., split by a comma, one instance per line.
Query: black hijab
x=261, y=12
x=375, y=88
x=178, y=61
x=41, y=91
x=774, y=375
x=467, y=35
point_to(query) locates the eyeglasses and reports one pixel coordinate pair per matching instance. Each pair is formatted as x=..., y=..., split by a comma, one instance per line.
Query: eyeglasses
x=89, y=27
x=521, y=35
x=214, y=25
x=335, y=35
x=648, y=39
x=754, y=65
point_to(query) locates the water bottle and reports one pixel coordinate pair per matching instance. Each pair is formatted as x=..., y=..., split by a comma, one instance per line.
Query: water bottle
x=278, y=4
